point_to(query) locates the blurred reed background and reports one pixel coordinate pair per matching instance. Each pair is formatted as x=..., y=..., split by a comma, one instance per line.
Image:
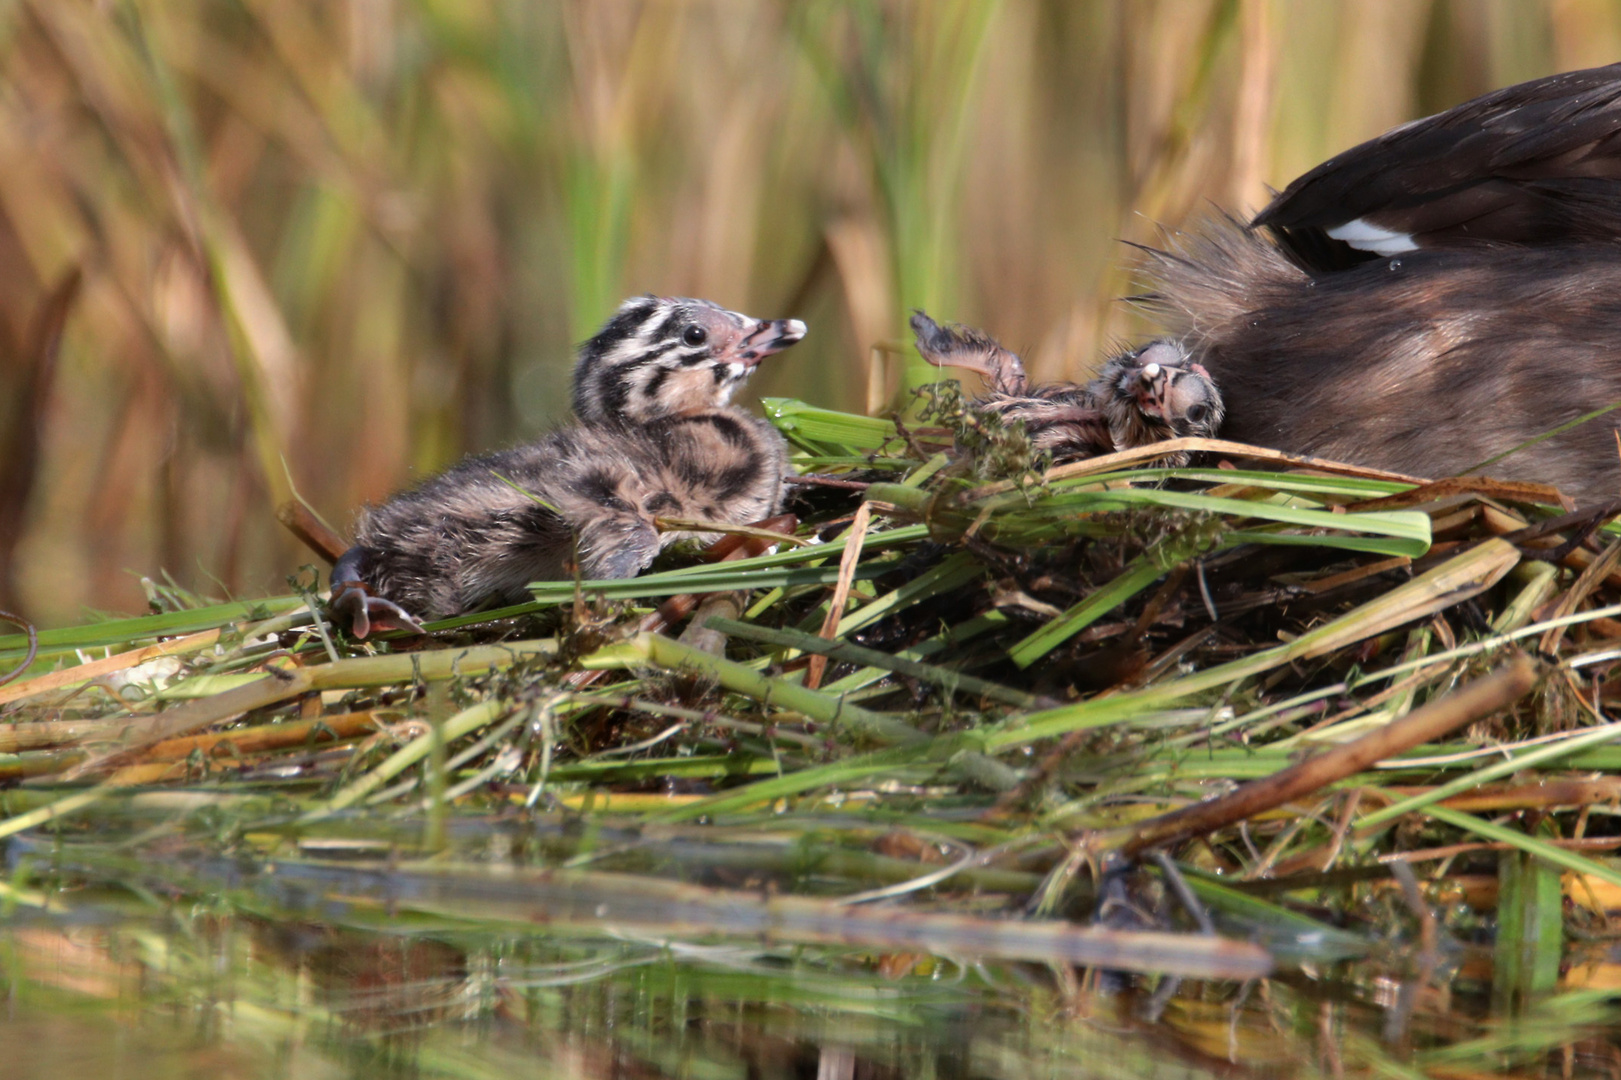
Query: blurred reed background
x=339, y=243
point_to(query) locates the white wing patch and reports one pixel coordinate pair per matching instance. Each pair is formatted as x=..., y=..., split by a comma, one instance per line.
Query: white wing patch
x=1364, y=235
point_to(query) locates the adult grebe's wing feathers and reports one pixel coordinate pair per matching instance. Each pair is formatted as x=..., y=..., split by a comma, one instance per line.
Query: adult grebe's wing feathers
x=1535, y=163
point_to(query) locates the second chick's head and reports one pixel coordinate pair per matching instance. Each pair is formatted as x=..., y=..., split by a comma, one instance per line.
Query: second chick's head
x=672, y=356
x=1166, y=394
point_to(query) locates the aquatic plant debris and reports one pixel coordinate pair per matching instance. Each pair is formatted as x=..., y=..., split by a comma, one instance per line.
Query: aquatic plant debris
x=1248, y=664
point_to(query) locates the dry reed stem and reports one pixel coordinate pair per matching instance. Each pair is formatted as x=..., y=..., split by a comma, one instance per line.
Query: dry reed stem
x=47, y=734
x=1542, y=795
x=848, y=561
x=293, y=734
x=1436, y=491
x=56, y=680
x=169, y=759
x=1589, y=579
x=316, y=534
x=1122, y=459
x=1501, y=522
x=140, y=733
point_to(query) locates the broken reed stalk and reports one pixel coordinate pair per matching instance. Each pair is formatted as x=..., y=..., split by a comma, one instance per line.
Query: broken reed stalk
x=79, y=673
x=769, y=530
x=1435, y=491
x=1243, y=451
x=1480, y=698
x=854, y=539
x=162, y=759
x=1589, y=579
x=815, y=480
x=1542, y=795
x=316, y=534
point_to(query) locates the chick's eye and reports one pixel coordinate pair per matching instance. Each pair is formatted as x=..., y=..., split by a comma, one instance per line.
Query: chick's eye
x=695, y=335
x=1197, y=413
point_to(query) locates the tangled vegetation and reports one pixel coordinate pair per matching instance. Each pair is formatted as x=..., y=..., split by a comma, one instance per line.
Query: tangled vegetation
x=1066, y=718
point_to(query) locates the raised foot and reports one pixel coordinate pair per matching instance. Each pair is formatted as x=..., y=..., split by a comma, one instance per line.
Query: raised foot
x=351, y=600
x=964, y=347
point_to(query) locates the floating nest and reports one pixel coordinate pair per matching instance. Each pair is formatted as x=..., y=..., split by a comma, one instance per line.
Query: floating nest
x=1318, y=702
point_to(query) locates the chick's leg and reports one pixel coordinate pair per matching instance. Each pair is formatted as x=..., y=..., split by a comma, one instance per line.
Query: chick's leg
x=971, y=350
x=618, y=545
x=353, y=601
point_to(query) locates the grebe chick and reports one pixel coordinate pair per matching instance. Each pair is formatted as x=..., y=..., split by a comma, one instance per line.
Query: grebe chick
x=655, y=435
x=1143, y=396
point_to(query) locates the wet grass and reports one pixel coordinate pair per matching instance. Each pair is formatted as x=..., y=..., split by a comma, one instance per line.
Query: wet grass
x=1175, y=730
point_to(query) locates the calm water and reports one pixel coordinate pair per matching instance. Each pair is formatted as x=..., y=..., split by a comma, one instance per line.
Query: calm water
x=231, y=953
x=106, y=990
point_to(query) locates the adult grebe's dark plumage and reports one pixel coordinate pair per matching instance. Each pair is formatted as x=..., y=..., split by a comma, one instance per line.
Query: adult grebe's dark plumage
x=1431, y=298
x=655, y=435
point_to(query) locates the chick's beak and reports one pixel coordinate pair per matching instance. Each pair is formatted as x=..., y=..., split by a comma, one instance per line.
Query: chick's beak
x=1156, y=384
x=767, y=337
